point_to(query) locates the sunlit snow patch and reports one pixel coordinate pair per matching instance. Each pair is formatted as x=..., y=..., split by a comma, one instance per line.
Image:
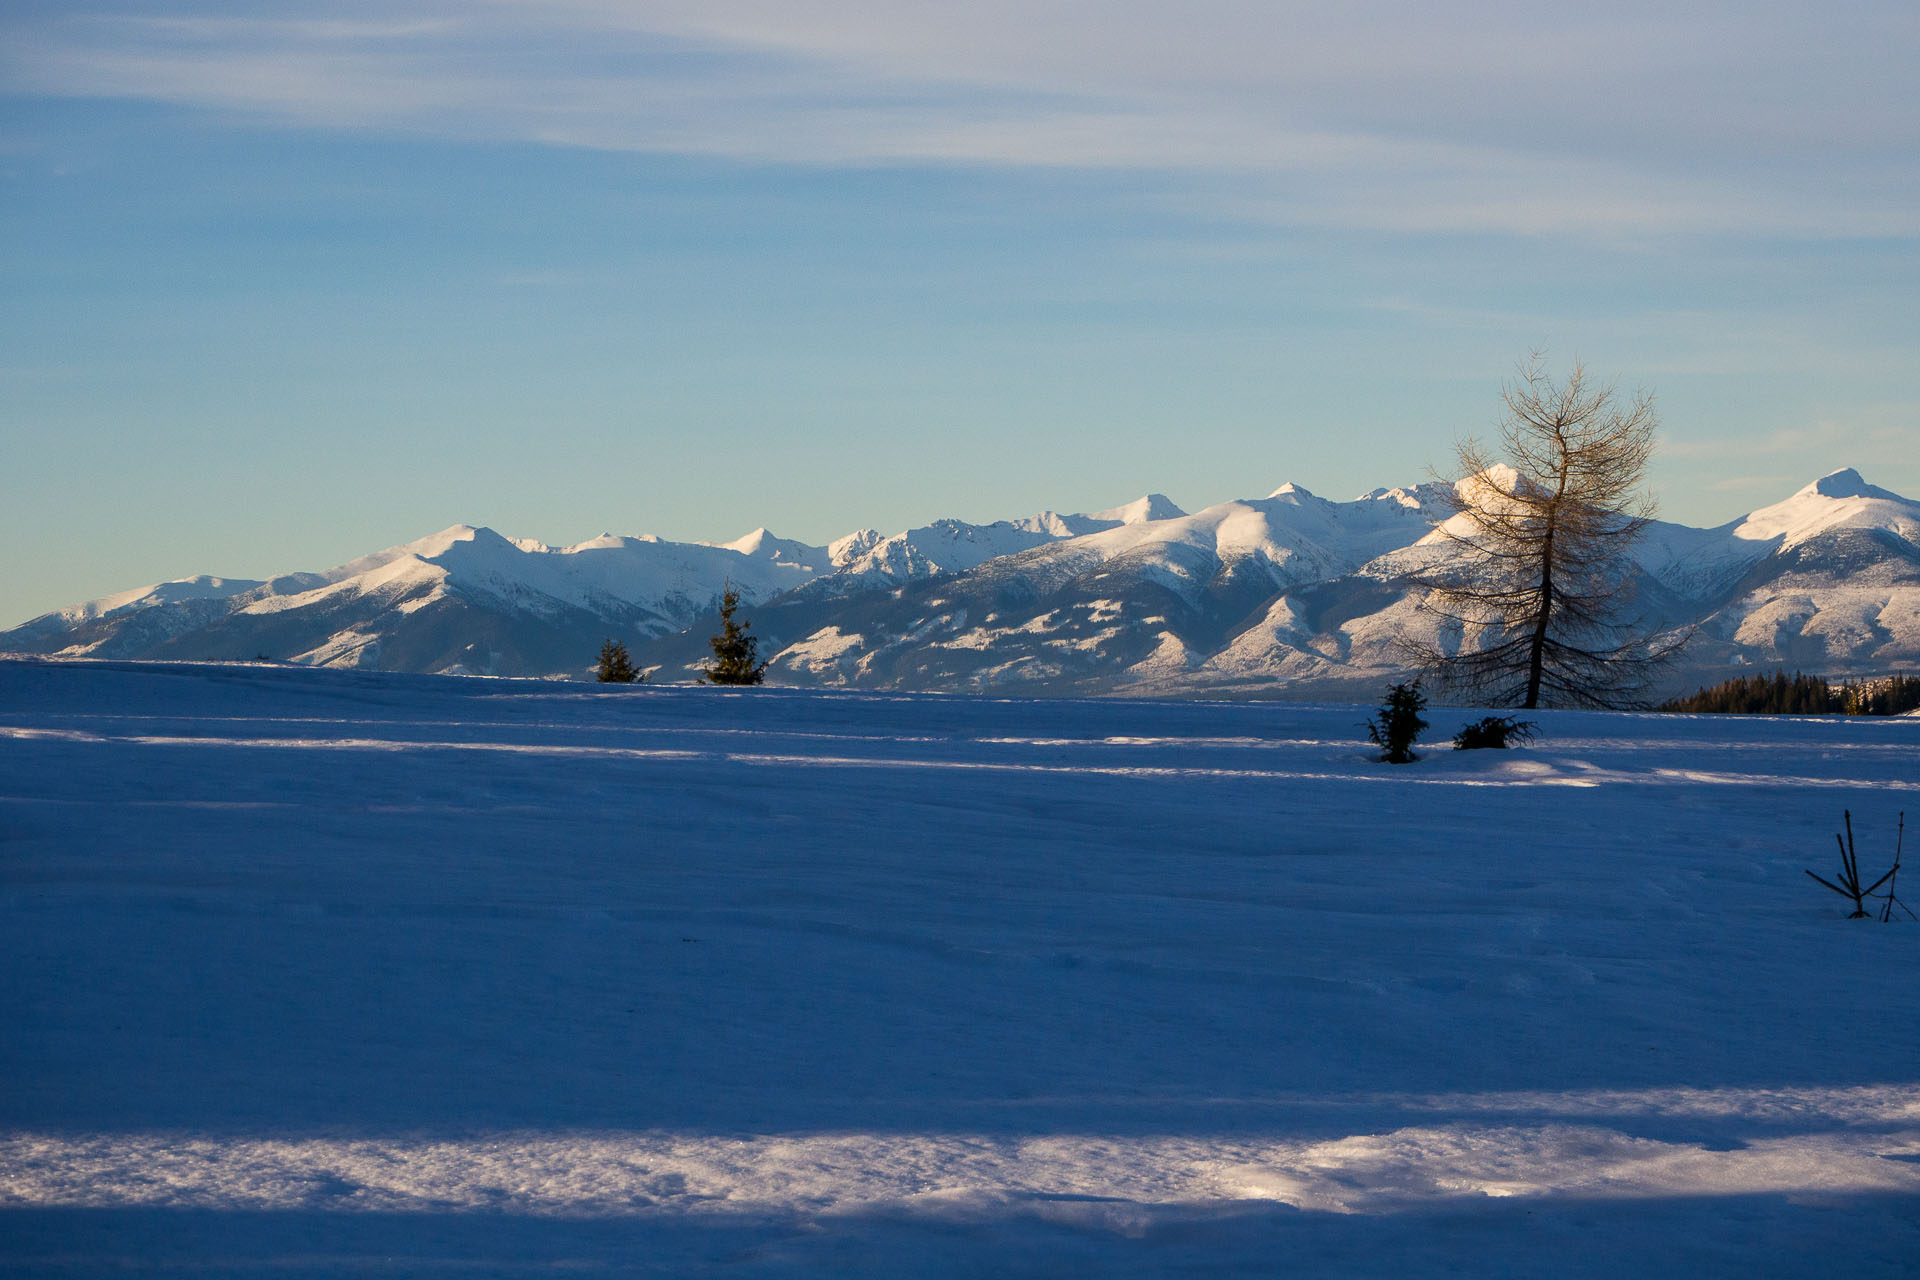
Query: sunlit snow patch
x=1136, y=1180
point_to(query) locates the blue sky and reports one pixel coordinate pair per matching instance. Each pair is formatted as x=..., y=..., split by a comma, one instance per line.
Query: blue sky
x=288, y=283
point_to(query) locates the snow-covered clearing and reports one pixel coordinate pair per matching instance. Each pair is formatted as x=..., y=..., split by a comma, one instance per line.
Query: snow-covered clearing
x=338, y=973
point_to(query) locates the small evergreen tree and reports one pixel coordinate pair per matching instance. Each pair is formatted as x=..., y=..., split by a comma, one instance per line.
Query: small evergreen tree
x=1399, y=723
x=615, y=666
x=735, y=652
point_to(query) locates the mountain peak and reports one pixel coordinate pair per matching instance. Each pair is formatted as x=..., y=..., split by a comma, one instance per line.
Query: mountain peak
x=842, y=552
x=1291, y=490
x=1839, y=499
x=435, y=543
x=1145, y=508
x=431, y=547
x=764, y=545
x=603, y=542
x=1845, y=483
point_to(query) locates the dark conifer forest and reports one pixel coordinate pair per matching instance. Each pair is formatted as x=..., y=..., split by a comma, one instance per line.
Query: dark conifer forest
x=1802, y=695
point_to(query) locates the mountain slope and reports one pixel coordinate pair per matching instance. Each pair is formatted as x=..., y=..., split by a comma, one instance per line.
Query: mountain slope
x=1258, y=597
x=467, y=600
x=463, y=599
x=1293, y=592
x=865, y=561
x=1140, y=601
x=1824, y=579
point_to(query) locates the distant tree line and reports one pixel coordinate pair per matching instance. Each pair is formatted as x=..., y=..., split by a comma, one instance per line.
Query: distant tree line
x=1802, y=695
x=1890, y=696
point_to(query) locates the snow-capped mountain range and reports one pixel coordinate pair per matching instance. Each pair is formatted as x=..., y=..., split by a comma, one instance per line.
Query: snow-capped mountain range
x=1254, y=597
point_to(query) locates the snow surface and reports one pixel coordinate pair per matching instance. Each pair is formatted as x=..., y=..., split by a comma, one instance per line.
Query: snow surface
x=1840, y=500
x=865, y=559
x=1701, y=558
x=1687, y=556
x=675, y=580
x=1297, y=534
x=326, y=972
x=203, y=587
x=1151, y=506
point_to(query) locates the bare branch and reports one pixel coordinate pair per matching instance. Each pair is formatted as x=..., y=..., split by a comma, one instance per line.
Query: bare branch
x=1542, y=570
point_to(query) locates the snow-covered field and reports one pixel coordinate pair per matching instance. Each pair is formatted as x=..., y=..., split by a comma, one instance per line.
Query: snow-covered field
x=327, y=973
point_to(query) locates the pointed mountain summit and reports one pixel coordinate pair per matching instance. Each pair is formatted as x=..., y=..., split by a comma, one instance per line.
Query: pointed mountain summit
x=763, y=545
x=1848, y=483
x=1839, y=499
x=1147, y=507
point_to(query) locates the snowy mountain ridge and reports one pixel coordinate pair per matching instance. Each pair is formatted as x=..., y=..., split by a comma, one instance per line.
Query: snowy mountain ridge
x=1245, y=597
x=1840, y=500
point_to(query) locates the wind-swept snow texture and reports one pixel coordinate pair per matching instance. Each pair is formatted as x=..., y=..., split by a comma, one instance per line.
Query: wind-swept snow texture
x=340, y=973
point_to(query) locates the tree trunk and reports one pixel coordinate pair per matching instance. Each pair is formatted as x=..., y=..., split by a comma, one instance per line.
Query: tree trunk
x=1537, y=648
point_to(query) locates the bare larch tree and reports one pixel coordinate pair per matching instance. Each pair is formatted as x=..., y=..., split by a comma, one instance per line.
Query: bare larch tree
x=1541, y=576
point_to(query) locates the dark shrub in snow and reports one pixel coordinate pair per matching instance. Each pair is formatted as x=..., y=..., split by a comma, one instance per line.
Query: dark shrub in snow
x=1399, y=723
x=1495, y=732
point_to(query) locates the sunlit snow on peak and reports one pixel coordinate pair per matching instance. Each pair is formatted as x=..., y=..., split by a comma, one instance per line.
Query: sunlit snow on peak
x=761, y=544
x=1147, y=507
x=1840, y=499
x=1847, y=483
x=203, y=587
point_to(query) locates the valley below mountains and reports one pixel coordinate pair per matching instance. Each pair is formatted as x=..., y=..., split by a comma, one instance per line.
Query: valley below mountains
x=1287, y=596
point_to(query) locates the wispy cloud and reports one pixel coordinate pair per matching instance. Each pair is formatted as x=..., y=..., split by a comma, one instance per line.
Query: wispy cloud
x=1886, y=430
x=1390, y=116
x=1744, y=484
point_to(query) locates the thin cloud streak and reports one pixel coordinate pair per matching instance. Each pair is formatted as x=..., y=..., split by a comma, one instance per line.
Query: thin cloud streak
x=1766, y=484
x=1884, y=429
x=1382, y=119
